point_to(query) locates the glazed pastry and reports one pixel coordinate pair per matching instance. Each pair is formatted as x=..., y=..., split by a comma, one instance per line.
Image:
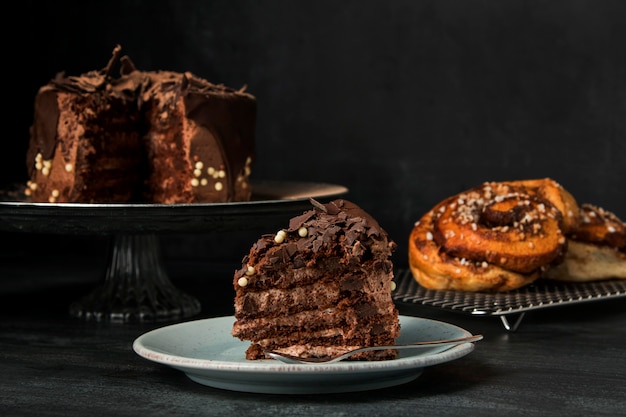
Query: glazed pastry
x=596, y=249
x=495, y=237
x=552, y=191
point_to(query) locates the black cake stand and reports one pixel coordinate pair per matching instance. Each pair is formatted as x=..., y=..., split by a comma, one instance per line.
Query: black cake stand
x=135, y=286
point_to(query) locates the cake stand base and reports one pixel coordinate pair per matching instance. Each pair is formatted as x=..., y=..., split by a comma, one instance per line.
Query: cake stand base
x=136, y=287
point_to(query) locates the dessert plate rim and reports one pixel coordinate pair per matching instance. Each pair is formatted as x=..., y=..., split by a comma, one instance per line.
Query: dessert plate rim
x=209, y=355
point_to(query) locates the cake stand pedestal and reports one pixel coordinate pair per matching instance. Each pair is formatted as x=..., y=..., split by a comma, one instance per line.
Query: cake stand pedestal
x=135, y=286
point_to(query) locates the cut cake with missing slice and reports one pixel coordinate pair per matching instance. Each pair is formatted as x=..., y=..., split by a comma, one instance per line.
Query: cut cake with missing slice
x=159, y=137
x=320, y=287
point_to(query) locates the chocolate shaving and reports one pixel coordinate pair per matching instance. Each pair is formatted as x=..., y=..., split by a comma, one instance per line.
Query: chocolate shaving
x=318, y=205
x=127, y=65
x=296, y=222
x=335, y=207
x=106, y=72
x=291, y=249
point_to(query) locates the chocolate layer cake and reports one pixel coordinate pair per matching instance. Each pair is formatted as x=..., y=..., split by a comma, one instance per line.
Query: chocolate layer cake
x=158, y=137
x=320, y=287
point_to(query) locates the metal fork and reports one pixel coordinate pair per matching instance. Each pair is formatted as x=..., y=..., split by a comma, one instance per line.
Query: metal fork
x=283, y=357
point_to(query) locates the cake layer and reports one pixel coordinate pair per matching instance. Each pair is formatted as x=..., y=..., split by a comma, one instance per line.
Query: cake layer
x=320, y=333
x=359, y=319
x=316, y=294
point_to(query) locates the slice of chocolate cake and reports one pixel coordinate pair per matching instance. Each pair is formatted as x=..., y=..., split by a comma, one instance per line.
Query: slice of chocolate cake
x=320, y=287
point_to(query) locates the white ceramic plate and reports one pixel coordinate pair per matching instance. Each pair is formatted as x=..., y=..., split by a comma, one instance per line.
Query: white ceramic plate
x=207, y=353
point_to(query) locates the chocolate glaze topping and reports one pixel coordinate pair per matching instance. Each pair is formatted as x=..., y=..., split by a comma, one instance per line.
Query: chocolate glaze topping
x=339, y=221
x=325, y=222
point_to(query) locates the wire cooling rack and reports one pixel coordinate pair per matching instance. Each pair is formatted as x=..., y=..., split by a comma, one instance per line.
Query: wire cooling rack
x=515, y=303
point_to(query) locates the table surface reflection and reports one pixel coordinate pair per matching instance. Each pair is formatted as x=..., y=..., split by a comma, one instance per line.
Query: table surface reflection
x=566, y=360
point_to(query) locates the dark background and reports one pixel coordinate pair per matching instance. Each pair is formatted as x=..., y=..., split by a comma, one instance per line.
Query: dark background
x=403, y=102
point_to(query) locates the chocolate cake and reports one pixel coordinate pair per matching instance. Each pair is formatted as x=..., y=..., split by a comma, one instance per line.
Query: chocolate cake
x=143, y=136
x=320, y=287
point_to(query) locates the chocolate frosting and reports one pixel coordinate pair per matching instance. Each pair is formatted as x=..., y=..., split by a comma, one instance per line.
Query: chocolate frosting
x=332, y=215
x=339, y=221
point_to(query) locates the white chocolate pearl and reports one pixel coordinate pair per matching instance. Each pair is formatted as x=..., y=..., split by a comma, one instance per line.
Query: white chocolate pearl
x=55, y=193
x=210, y=170
x=199, y=165
x=197, y=172
x=219, y=186
x=242, y=282
x=194, y=182
x=221, y=173
x=204, y=181
x=392, y=285
x=280, y=236
x=45, y=170
x=251, y=270
x=302, y=232
x=69, y=167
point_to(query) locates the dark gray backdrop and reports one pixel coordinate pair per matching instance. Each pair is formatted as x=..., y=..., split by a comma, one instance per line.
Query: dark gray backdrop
x=404, y=102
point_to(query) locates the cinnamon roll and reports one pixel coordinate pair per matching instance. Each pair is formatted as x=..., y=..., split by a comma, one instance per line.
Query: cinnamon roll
x=495, y=237
x=596, y=248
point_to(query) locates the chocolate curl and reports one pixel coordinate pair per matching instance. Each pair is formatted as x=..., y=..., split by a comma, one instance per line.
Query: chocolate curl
x=106, y=72
x=318, y=205
x=127, y=65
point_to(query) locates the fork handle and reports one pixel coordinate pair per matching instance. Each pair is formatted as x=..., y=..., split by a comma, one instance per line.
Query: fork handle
x=467, y=339
x=474, y=338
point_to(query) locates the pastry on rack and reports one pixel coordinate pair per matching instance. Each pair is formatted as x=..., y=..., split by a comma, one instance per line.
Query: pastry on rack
x=495, y=237
x=596, y=248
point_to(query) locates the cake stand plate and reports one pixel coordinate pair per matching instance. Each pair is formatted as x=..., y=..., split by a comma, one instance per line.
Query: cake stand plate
x=136, y=287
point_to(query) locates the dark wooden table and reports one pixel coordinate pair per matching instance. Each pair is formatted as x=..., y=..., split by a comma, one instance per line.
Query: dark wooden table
x=568, y=360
